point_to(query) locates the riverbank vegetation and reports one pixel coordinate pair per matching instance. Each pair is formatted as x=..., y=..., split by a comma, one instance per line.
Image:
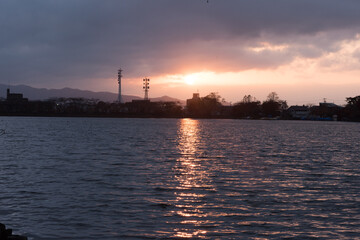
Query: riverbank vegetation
x=210, y=106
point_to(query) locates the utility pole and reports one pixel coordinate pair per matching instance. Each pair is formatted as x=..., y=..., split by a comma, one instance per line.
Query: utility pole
x=146, y=86
x=119, y=82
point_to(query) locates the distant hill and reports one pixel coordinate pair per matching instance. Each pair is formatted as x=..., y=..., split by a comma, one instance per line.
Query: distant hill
x=167, y=99
x=44, y=94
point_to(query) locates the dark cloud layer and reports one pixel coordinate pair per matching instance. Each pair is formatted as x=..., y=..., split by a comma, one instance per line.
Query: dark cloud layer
x=49, y=40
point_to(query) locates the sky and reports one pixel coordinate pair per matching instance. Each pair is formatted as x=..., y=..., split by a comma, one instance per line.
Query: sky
x=304, y=50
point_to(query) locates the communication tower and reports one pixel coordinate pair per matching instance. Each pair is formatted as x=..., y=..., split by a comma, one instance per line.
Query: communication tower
x=146, y=86
x=119, y=81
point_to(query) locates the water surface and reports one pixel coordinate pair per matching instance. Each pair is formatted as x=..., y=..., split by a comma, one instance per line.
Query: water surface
x=89, y=178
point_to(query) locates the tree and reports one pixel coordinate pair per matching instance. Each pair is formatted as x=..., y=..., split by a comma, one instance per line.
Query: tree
x=352, y=109
x=211, y=104
x=249, y=107
x=207, y=106
x=248, y=99
x=353, y=101
x=273, y=96
x=283, y=105
x=273, y=106
x=216, y=96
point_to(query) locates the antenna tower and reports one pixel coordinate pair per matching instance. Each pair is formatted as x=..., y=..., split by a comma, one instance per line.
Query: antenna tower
x=146, y=86
x=119, y=81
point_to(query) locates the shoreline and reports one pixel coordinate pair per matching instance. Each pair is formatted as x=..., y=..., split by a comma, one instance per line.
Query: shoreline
x=163, y=117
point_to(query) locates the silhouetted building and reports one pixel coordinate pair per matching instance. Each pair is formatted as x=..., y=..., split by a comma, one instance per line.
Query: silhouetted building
x=326, y=111
x=328, y=105
x=140, y=107
x=16, y=104
x=299, y=112
x=194, y=99
x=202, y=107
x=15, y=97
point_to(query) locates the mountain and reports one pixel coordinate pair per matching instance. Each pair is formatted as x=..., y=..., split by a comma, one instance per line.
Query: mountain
x=167, y=99
x=44, y=93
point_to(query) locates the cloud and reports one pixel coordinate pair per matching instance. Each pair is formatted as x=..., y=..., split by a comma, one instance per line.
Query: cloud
x=68, y=41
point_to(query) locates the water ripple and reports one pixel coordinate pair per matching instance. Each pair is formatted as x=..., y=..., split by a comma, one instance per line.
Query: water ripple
x=70, y=178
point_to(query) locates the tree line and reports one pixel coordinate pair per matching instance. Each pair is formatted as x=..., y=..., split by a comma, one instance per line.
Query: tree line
x=210, y=106
x=272, y=108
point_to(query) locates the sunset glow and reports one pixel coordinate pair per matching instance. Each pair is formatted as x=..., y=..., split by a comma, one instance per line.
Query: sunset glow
x=206, y=119
x=189, y=79
x=228, y=51
x=303, y=80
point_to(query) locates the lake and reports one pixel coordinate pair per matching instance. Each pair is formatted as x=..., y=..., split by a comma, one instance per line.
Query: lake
x=103, y=178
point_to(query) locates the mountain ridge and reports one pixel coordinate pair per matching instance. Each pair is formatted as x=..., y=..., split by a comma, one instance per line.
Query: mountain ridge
x=44, y=93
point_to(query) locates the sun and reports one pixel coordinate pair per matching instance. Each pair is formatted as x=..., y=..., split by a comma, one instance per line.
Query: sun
x=189, y=79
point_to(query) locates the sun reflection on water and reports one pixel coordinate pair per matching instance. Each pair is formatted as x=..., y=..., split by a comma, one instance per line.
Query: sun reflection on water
x=194, y=183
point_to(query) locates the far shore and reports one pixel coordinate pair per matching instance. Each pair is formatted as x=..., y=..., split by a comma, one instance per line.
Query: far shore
x=162, y=117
